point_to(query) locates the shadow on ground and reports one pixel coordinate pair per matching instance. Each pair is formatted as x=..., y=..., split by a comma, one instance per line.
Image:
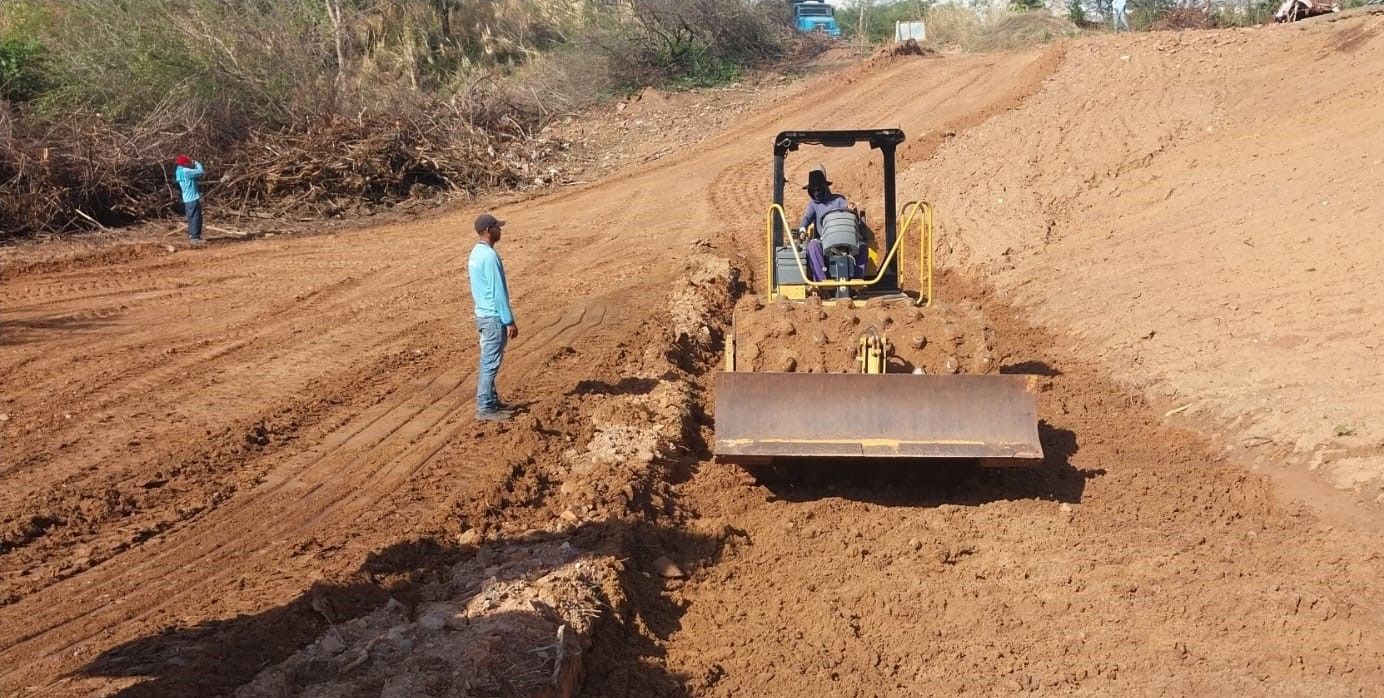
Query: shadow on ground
x=218, y=657
x=927, y=483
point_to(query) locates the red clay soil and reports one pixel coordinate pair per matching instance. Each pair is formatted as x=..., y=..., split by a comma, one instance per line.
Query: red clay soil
x=213, y=460
x=1201, y=211
x=1135, y=560
x=943, y=338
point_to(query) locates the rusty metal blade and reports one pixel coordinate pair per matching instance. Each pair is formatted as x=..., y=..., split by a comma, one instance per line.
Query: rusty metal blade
x=761, y=417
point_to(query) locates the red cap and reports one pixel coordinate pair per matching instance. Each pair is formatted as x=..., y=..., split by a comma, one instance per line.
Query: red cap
x=182, y=161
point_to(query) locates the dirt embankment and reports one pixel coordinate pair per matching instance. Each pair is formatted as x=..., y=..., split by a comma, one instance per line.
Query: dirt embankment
x=1202, y=210
x=518, y=615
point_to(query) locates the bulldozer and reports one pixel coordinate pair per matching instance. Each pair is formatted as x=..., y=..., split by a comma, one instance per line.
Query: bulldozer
x=779, y=418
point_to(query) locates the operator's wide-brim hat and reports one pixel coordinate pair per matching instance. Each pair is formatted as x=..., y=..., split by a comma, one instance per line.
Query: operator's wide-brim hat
x=817, y=178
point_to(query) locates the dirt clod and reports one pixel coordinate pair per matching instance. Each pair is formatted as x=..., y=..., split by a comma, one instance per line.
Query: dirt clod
x=668, y=569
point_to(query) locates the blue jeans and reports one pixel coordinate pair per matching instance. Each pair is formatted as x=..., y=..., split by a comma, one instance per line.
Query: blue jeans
x=1121, y=19
x=493, y=341
x=817, y=260
x=194, y=219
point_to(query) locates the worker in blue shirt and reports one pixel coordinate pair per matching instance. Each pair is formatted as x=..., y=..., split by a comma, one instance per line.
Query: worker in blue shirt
x=494, y=319
x=1117, y=10
x=187, y=173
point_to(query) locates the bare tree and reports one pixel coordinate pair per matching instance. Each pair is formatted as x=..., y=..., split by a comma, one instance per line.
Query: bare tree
x=339, y=35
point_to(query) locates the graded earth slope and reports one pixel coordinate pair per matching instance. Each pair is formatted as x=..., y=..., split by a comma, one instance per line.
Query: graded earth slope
x=1203, y=210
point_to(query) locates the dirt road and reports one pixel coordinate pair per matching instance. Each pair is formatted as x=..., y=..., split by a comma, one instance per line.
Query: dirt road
x=197, y=444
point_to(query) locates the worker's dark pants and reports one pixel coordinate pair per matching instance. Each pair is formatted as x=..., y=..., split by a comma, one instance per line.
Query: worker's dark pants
x=817, y=260
x=193, y=209
x=493, y=341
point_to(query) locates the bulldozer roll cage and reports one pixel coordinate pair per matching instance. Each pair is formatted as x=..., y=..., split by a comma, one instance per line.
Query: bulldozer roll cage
x=886, y=280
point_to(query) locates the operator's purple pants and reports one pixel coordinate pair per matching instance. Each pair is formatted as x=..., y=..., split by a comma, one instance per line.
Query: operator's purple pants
x=817, y=260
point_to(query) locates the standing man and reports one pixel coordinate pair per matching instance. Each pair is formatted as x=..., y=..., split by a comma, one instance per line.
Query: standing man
x=1117, y=8
x=494, y=319
x=187, y=173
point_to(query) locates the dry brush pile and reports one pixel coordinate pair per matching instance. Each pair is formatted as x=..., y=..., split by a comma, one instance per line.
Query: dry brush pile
x=320, y=107
x=342, y=162
x=90, y=173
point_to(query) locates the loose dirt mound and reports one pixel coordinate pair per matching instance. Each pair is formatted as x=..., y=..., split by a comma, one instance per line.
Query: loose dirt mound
x=514, y=626
x=1166, y=197
x=1197, y=234
x=911, y=47
x=809, y=338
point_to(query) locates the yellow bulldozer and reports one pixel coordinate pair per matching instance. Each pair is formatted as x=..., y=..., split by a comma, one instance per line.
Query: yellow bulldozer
x=767, y=418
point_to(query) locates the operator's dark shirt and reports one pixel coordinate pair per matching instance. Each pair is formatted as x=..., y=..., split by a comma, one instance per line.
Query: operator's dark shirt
x=817, y=209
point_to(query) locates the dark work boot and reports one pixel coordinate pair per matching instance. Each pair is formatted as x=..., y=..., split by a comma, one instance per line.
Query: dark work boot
x=494, y=415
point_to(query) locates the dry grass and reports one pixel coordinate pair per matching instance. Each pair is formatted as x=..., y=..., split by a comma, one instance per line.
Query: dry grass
x=954, y=27
x=323, y=106
x=1021, y=30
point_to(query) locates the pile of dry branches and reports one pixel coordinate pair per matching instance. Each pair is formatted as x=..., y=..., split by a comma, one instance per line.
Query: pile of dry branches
x=340, y=163
x=907, y=47
x=87, y=174
x=1179, y=18
x=83, y=173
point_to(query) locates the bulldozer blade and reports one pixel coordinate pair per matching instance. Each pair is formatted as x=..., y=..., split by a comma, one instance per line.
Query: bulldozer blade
x=764, y=417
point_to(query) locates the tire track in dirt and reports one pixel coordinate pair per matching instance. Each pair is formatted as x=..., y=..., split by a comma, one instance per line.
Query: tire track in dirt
x=376, y=444
x=741, y=188
x=157, y=373
x=389, y=445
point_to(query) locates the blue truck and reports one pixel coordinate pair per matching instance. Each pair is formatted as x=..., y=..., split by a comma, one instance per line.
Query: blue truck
x=815, y=16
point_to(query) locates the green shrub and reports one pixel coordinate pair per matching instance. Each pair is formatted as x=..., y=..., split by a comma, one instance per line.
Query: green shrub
x=104, y=91
x=21, y=69
x=1076, y=13
x=699, y=43
x=880, y=18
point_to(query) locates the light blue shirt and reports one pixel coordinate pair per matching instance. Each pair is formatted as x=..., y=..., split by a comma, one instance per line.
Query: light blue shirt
x=187, y=179
x=489, y=291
